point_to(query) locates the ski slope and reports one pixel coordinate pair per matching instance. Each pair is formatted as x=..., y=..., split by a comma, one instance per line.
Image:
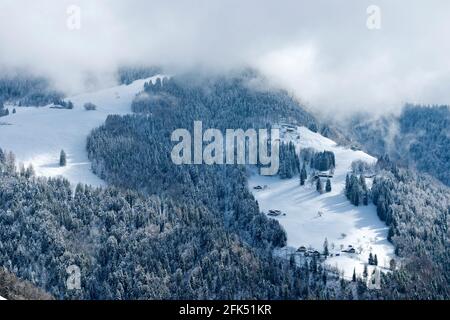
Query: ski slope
x=37, y=135
x=340, y=222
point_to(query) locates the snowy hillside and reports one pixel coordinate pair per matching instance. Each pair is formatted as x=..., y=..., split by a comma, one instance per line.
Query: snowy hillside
x=311, y=217
x=37, y=135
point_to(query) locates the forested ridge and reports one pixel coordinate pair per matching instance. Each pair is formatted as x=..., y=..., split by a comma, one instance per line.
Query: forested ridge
x=421, y=257
x=128, y=246
x=418, y=138
x=416, y=207
x=27, y=90
x=162, y=231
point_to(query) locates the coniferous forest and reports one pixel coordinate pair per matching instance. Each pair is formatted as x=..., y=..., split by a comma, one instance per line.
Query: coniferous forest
x=224, y=150
x=161, y=231
x=418, y=138
x=115, y=164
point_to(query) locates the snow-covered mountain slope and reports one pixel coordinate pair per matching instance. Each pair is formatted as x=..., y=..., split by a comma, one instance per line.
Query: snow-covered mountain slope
x=37, y=135
x=339, y=221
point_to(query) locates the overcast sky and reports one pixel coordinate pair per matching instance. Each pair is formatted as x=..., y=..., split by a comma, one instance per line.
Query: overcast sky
x=322, y=51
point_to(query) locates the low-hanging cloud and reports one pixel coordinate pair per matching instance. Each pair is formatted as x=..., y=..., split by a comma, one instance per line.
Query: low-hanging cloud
x=322, y=51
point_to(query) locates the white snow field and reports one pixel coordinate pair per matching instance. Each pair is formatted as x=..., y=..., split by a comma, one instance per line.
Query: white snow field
x=342, y=223
x=36, y=135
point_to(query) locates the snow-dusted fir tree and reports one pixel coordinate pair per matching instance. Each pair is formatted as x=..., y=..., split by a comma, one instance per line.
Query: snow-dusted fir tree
x=2, y=157
x=328, y=186
x=303, y=175
x=326, y=251
x=319, y=186
x=371, y=259
x=62, y=159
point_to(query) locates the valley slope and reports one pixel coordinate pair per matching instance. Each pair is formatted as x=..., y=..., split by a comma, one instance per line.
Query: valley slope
x=37, y=135
x=311, y=217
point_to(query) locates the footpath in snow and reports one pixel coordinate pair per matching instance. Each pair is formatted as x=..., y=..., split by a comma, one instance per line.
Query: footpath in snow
x=311, y=217
x=36, y=135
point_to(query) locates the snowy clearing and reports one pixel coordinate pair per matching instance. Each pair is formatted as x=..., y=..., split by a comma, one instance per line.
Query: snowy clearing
x=37, y=135
x=339, y=221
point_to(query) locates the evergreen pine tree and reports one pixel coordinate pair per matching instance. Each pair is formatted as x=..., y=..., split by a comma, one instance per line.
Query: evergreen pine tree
x=392, y=265
x=355, y=195
x=354, y=190
x=10, y=163
x=2, y=156
x=390, y=233
x=328, y=186
x=324, y=277
x=362, y=182
x=319, y=186
x=366, y=198
x=375, y=260
x=370, y=258
x=354, y=275
x=79, y=189
x=314, y=264
x=326, y=252
x=29, y=172
x=303, y=175
x=347, y=186
x=62, y=159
